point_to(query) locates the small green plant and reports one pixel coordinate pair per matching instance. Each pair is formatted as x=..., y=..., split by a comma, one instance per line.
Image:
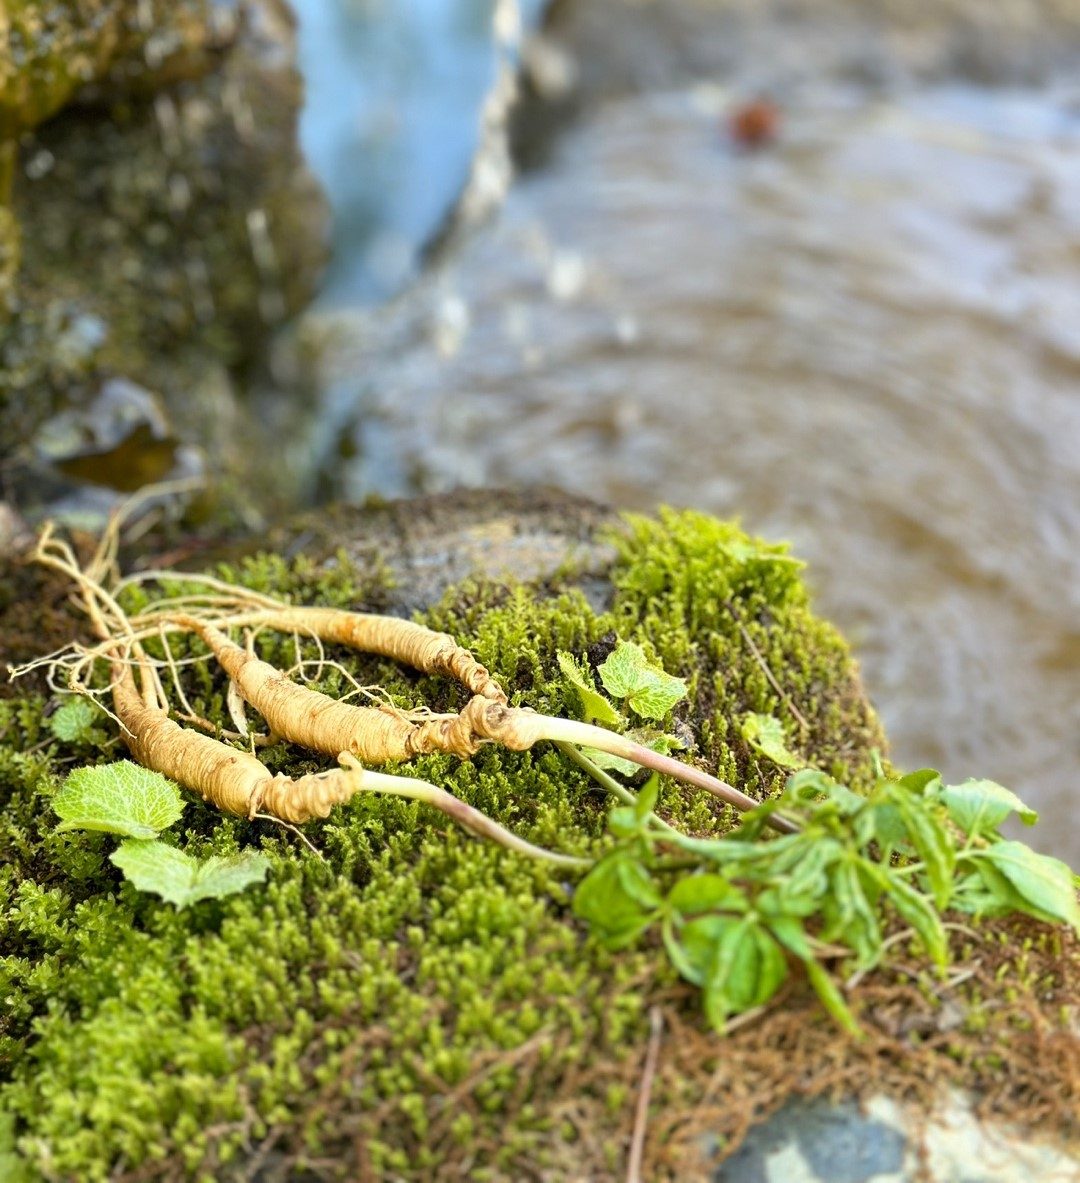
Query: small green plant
x=765, y=734
x=736, y=912
x=75, y=722
x=641, y=687
x=137, y=804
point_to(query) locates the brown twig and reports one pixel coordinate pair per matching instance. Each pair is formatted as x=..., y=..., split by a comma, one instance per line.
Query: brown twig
x=641, y=1113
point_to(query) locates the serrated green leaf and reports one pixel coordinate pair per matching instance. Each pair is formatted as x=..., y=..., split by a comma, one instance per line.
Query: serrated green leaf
x=594, y=704
x=628, y=674
x=985, y=891
x=980, y=806
x=222, y=875
x=182, y=880
x=609, y=762
x=765, y=734
x=119, y=798
x=74, y=721
x=1045, y=882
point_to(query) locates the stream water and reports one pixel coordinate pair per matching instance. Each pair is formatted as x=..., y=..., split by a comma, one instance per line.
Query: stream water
x=862, y=338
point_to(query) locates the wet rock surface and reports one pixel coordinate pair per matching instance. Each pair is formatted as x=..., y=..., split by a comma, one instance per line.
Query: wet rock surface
x=861, y=336
x=167, y=225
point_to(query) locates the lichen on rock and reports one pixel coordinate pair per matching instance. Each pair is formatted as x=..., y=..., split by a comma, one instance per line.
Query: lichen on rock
x=416, y=1004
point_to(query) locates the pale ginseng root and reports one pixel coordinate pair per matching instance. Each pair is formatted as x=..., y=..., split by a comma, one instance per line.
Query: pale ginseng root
x=234, y=781
x=238, y=783
x=376, y=735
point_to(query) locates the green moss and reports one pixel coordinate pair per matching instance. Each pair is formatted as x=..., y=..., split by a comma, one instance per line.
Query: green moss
x=417, y=995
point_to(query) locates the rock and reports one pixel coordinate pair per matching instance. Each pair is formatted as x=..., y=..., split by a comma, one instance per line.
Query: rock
x=168, y=226
x=882, y=1141
x=56, y=53
x=415, y=1004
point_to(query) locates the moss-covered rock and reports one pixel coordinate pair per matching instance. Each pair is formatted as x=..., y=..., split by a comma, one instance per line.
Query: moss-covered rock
x=412, y=1004
x=168, y=223
x=56, y=51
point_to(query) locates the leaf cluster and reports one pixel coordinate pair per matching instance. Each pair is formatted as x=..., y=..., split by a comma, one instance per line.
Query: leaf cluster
x=641, y=687
x=137, y=804
x=739, y=912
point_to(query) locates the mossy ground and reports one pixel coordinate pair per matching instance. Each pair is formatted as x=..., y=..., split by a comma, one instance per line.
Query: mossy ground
x=416, y=1005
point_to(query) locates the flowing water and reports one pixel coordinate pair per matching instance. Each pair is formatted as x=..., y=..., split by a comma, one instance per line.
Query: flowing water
x=863, y=337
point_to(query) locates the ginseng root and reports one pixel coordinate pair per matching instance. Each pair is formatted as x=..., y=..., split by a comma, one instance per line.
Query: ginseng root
x=377, y=735
x=239, y=783
x=235, y=781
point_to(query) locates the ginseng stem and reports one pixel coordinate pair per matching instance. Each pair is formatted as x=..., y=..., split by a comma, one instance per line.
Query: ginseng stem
x=472, y=819
x=571, y=731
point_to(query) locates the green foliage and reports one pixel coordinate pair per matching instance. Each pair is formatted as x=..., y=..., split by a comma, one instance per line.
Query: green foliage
x=120, y=798
x=765, y=734
x=649, y=691
x=345, y=999
x=748, y=904
x=596, y=708
x=182, y=880
x=138, y=804
x=75, y=722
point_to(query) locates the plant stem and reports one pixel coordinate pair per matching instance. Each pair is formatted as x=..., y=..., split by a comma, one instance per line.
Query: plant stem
x=625, y=795
x=465, y=815
x=571, y=731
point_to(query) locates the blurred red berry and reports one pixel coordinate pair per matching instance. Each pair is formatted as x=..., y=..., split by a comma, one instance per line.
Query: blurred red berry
x=754, y=124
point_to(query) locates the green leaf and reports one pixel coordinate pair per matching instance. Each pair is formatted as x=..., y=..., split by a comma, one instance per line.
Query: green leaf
x=74, y=721
x=917, y=910
x=980, y=806
x=594, y=704
x=831, y=998
x=765, y=734
x=1045, y=882
x=628, y=674
x=810, y=788
x=119, y=798
x=646, y=798
x=182, y=880
x=920, y=781
x=617, y=899
x=703, y=893
x=773, y=964
x=933, y=844
x=699, y=941
x=808, y=878
x=854, y=920
x=609, y=762
x=747, y=970
x=791, y=934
